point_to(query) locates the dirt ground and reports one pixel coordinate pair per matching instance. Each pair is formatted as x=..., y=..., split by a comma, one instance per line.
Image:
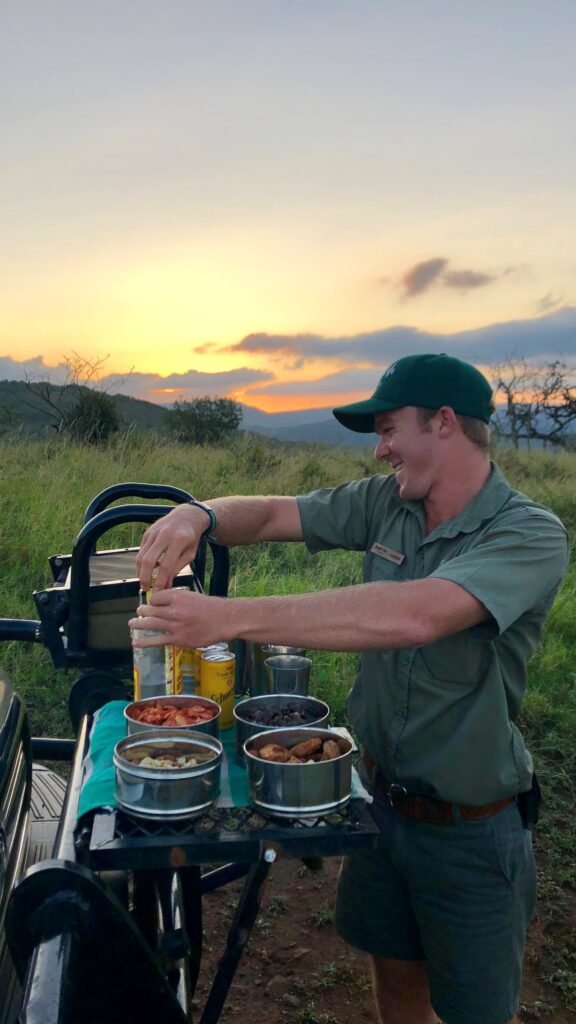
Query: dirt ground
x=295, y=969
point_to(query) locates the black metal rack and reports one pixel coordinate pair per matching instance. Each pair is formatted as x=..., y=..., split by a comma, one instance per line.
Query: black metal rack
x=110, y=928
x=247, y=844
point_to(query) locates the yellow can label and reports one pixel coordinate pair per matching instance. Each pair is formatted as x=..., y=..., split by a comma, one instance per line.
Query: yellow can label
x=182, y=670
x=217, y=673
x=137, y=686
x=173, y=657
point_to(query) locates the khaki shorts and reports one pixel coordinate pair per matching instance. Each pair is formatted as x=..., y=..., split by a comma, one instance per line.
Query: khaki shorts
x=458, y=896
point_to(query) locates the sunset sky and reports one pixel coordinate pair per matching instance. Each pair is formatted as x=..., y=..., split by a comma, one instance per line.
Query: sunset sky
x=273, y=199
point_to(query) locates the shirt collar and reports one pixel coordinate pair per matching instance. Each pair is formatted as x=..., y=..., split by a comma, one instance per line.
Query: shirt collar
x=484, y=505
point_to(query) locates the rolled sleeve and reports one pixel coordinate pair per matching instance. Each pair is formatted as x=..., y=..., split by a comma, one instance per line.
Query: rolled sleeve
x=338, y=517
x=515, y=567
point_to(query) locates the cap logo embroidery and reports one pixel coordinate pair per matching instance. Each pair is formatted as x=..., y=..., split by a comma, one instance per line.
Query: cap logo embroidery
x=389, y=371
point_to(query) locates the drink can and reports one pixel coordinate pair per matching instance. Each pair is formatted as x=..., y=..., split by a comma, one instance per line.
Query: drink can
x=173, y=669
x=199, y=651
x=182, y=670
x=217, y=671
x=180, y=667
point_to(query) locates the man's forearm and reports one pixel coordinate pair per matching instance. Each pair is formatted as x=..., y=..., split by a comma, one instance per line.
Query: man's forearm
x=248, y=520
x=364, y=617
x=370, y=616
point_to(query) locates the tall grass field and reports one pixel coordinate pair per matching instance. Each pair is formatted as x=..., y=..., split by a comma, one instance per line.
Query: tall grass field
x=46, y=487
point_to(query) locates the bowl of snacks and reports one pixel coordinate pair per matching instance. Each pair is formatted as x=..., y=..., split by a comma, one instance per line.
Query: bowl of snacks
x=167, y=774
x=276, y=711
x=173, y=712
x=299, y=773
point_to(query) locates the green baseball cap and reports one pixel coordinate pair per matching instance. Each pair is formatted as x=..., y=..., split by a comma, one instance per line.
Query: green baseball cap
x=429, y=381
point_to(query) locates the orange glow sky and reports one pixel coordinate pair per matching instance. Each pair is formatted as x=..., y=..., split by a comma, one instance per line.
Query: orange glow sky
x=178, y=182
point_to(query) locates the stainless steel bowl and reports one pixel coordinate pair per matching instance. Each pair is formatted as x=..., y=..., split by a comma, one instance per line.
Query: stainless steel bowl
x=211, y=727
x=274, y=702
x=167, y=793
x=297, y=790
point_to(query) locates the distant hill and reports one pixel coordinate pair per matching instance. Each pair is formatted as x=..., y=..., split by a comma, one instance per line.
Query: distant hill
x=325, y=432
x=311, y=426
x=22, y=408
x=256, y=417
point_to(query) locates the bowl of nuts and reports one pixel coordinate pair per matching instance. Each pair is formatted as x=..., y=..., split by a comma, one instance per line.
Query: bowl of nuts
x=167, y=774
x=298, y=773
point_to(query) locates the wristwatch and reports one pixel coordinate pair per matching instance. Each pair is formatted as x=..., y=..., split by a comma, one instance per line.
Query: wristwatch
x=209, y=531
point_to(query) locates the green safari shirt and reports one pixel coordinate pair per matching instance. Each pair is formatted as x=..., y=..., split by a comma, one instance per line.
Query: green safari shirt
x=440, y=719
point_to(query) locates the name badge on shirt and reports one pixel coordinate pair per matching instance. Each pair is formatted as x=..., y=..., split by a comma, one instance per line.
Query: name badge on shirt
x=387, y=553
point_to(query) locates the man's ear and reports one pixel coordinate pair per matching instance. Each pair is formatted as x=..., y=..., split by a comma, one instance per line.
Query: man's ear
x=447, y=421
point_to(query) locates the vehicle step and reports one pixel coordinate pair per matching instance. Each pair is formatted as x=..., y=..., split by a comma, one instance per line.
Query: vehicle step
x=48, y=792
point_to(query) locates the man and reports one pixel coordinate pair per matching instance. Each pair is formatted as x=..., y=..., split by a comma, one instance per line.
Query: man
x=460, y=573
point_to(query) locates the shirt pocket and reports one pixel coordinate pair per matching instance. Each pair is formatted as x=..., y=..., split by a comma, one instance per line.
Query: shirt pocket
x=383, y=570
x=455, y=660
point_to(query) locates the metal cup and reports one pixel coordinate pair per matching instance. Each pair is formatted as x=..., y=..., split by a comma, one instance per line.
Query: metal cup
x=288, y=673
x=255, y=681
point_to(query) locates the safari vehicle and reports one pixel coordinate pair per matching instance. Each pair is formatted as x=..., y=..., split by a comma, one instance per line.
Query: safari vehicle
x=101, y=915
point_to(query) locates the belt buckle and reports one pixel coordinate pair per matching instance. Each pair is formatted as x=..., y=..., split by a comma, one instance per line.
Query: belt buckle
x=395, y=792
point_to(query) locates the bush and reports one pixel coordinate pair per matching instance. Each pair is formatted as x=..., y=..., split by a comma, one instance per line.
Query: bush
x=93, y=418
x=204, y=420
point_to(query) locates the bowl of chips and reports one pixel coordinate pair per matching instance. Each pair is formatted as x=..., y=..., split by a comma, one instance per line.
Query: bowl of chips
x=173, y=712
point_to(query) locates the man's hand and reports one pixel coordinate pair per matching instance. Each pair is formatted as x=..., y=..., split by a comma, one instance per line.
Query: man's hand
x=183, y=618
x=170, y=543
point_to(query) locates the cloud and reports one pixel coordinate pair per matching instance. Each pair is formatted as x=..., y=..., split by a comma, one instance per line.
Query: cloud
x=548, y=302
x=551, y=335
x=352, y=363
x=205, y=382
x=191, y=384
x=421, y=276
x=434, y=273
x=344, y=381
x=208, y=346
x=32, y=369
x=463, y=280
x=274, y=344
x=368, y=348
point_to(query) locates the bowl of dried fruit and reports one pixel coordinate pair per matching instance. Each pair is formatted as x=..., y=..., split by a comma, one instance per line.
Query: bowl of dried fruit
x=276, y=711
x=173, y=712
x=167, y=774
x=299, y=772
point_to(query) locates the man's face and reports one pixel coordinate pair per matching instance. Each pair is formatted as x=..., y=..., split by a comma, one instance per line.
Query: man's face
x=410, y=448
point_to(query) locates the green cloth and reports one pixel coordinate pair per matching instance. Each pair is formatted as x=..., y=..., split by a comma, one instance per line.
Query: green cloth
x=440, y=719
x=98, y=784
x=109, y=726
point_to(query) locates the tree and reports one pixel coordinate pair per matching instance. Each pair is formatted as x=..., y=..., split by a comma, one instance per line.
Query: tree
x=540, y=401
x=93, y=418
x=80, y=406
x=204, y=420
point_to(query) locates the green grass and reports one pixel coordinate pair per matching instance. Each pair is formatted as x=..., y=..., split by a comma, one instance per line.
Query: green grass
x=46, y=487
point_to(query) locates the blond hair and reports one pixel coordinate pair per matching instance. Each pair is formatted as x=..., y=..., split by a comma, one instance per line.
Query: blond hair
x=474, y=429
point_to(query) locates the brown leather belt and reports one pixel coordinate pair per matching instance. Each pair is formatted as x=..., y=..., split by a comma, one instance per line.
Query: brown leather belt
x=426, y=808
